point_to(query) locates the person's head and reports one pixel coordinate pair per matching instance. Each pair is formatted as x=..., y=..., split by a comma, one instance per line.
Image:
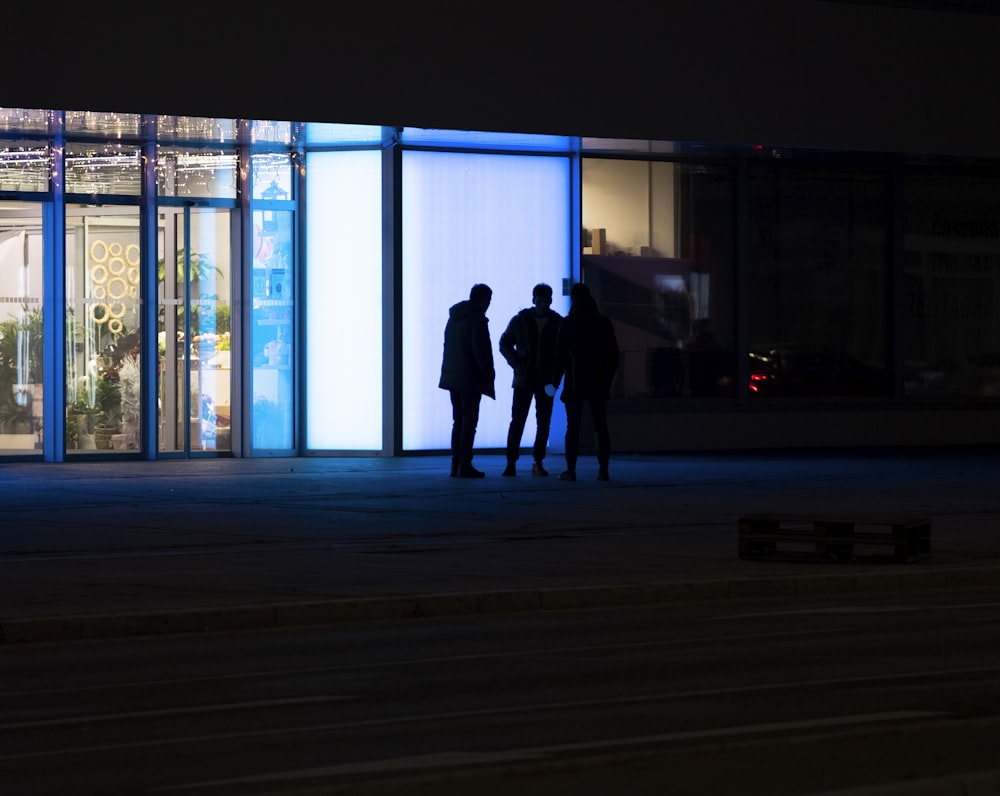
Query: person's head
x=481, y=295
x=541, y=297
x=579, y=293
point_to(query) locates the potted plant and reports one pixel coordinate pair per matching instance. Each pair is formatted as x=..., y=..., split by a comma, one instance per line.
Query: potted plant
x=79, y=423
x=15, y=418
x=20, y=355
x=107, y=407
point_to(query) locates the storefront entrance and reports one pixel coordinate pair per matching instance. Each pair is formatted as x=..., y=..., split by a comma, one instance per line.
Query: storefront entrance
x=195, y=362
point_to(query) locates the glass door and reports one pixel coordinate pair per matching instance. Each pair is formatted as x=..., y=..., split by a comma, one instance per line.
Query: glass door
x=194, y=286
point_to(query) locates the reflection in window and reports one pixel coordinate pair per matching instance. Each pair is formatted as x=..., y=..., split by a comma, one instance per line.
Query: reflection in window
x=951, y=286
x=24, y=166
x=817, y=282
x=24, y=120
x=202, y=173
x=98, y=168
x=103, y=123
x=658, y=256
x=195, y=128
x=272, y=175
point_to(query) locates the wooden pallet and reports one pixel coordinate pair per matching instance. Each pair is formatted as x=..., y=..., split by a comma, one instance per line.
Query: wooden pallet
x=803, y=537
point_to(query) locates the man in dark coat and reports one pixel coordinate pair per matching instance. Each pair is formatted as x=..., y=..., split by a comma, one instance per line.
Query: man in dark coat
x=467, y=373
x=587, y=355
x=528, y=344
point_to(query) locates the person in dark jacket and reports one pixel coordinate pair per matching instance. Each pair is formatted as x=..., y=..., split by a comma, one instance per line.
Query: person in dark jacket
x=467, y=373
x=528, y=344
x=587, y=355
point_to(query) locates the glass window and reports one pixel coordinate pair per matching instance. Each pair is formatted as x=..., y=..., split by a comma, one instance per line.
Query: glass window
x=196, y=172
x=270, y=132
x=502, y=220
x=104, y=124
x=271, y=332
x=102, y=328
x=951, y=285
x=196, y=128
x=102, y=168
x=272, y=175
x=319, y=133
x=24, y=166
x=659, y=258
x=21, y=331
x=344, y=370
x=25, y=120
x=817, y=302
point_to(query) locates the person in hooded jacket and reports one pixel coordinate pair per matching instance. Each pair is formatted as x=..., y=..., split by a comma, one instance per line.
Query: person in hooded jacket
x=467, y=373
x=587, y=356
x=528, y=344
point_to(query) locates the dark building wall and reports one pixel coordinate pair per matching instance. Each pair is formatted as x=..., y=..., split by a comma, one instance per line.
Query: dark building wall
x=889, y=76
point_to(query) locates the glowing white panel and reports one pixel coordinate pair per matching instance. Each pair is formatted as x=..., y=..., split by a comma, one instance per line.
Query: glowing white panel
x=343, y=375
x=499, y=219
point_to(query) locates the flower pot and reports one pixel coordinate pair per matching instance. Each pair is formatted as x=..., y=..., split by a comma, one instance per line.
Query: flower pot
x=102, y=437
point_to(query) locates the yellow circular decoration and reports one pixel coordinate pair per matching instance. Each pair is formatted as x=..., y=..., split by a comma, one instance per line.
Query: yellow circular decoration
x=115, y=326
x=116, y=265
x=98, y=274
x=93, y=313
x=114, y=292
x=133, y=292
x=99, y=292
x=93, y=251
x=115, y=249
x=117, y=313
x=128, y=254
x=133, y=276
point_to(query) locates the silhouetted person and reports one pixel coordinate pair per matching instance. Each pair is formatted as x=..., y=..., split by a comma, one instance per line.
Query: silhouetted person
x=529, y=344
x=587, y=355
x=467, y=373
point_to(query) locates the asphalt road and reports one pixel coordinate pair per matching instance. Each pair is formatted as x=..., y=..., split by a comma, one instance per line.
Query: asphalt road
x=892, y=692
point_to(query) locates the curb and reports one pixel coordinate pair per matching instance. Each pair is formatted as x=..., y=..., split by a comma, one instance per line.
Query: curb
x=34, y=630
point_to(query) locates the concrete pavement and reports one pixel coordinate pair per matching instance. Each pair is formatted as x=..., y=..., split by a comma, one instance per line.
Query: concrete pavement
x=110, y=549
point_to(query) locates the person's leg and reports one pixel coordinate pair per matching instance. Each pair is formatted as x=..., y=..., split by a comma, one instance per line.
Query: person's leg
x=574, y=418
x=543, y=422
x=456, y=431
x=599, y=413
x=467, y=433
x=520, y=406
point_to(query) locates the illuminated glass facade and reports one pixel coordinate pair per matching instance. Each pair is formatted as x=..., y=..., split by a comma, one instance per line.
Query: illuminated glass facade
x=294, y=279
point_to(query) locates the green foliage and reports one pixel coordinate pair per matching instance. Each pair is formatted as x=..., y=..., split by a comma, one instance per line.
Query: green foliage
x=199, y=265
x=12, y=332
x=108, y=399
x=13, y=415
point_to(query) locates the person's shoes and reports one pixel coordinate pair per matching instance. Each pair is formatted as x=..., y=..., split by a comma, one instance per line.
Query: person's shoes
x=602, y=474
x=567, y=475
x=470, y=472
x=537, y=469
x=454, y=467
x=511, y=470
